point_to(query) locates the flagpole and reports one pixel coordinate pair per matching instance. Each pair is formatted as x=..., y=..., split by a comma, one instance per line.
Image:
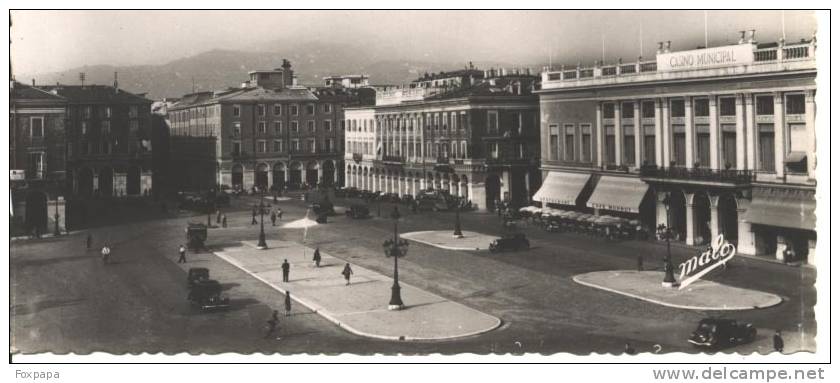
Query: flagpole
x=706, y=27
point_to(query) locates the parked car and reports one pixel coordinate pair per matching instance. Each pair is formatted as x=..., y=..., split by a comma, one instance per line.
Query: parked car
x=358, y=211
x=721, y=333
x=433, y=204
x=323, y=208
x=196, y=235
x=510, y=242
x=197, y=274
x=207, y=295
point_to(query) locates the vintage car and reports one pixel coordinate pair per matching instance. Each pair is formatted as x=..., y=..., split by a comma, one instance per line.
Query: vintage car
x=357, y=211
x=196, y=235
x=207, y=295
x=721, y=333
x=322, y=208
x=426, y=203
x=510, y=242
x=197, y=274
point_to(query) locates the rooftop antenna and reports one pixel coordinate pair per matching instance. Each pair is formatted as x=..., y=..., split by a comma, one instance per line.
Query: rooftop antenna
x=706, y=28
x=783, y=25
x=82, y=78
x=116, y=84
x=603, y=48
x=641, y=41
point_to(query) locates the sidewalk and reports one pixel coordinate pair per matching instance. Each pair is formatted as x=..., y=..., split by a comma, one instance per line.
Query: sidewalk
x=701, y=295
x=360, y=308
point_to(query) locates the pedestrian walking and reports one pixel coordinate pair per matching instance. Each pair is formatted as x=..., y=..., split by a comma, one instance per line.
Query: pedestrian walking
x=279, y=213
x=89, y=241
x=317, y=257
x=218, y=216
x=347, y=272
x=106, y=254
x=778, y=342
x=640, y=263
x=254, y=215
x=287, y=303
x=224, y=220
x=273, y=218
x=286, y=267
x=272, y=324
x=182, y=251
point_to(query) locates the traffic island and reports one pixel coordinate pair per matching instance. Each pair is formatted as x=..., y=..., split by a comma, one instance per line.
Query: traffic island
x=444, y=239
x=700, y=295
x=361, y=307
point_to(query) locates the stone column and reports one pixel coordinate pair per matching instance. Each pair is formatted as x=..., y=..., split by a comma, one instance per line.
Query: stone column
x=779, y=133
x=714, y=135
x=666, y=132
x=689, y=134
x=658, y=126
x=746, y=236
x=714, y=220
x=740, y=134
x=599, y=135
x=618, y=130
x=781, y=246
x=637, y=131
x=690, y=232
x=810, y=116
x=812, y=251
x=750, y=136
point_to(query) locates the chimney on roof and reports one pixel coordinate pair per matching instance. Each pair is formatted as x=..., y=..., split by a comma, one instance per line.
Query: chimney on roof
x=116, y=83
x=668, y=46
x=752, y=36
x=743, y=37
x=659, y=49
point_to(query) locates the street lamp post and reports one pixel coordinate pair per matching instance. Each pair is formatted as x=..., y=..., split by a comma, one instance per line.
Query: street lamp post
x=457, y=233
x=261, y=243
x=667, y=232
x=395, y=248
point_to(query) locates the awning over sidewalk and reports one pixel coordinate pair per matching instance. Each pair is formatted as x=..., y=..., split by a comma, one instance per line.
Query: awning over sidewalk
x=623, y=194
x=790, y=208
x=561, y=188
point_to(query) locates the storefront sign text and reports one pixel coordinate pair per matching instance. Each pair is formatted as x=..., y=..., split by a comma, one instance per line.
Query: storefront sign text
x=706, y=58
x=721, y=251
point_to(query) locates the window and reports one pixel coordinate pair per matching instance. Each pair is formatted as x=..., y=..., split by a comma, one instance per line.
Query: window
x=609, y=110
x=729, y=148
x=294, y=126
x=106, y=147
x=569, y=143
x=261, y=127
x=36, y=165
x=554, y=143
x=108, y=112
x=85, y=148
x=106, y=127
x=677, y=108
x=261, y=110
x=764, y=105
x=261, y=146
x=586, y=143
x=278, y=127
x=310, y=109
x=629, y=146
x=84, y=127
x=520, y=151
x=464, y=153
x=87, y=111
x=278, y=110
x=327, y=108
x=293, y=109
x=701, y=107
x=493, y=150
x=609, y=144
x=237, y=148
x=310, y=125
x=69, y=149
x=237, y=129
x=311, y=146
x=328, y=125
x=703, y=148
x=133, y=127
x=766, y=148
x=37, y=126
x=795, y=104
x=648, y=109
x=328, y=146
x=649, y=143
x=236, y=111
x=727, y=106
x=678, y=155
x=627, y=110
x=295, y=145
x=492, y=121
x=132, y=111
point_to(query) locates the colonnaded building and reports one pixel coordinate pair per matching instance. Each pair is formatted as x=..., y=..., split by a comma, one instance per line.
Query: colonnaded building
x=269, y=133
x=708, y=141
x=470, y=132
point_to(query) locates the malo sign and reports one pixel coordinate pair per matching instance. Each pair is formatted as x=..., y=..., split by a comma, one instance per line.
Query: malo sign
x=720, y=252
x=729, y=55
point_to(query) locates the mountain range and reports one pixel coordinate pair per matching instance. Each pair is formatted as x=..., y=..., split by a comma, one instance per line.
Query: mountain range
x=220, y=68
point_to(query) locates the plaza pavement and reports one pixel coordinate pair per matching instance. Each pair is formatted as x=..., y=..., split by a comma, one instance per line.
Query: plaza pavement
x=445, y=240
x=701, y=295
x=361, y=307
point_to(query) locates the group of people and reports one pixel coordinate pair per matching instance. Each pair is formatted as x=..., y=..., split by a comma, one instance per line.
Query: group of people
x=274, y=215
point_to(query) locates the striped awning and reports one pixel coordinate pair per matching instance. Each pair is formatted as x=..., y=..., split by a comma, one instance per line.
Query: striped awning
x=783, y=207
x=622, y=194
x=561, y=188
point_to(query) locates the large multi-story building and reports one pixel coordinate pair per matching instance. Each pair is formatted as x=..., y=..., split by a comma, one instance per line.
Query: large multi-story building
x=473, y=133
x=271, y=132
x=709, y=141
x=36, y=156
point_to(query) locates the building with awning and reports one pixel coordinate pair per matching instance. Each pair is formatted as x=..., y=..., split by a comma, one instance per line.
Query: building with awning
x=561, y=188
x=793, y=209
x=620, y=194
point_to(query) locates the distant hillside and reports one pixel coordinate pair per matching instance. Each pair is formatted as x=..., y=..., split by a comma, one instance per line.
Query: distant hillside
x=218, y=69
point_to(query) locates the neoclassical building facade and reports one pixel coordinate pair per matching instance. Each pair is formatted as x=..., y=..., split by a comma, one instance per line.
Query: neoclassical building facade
x=709, y=141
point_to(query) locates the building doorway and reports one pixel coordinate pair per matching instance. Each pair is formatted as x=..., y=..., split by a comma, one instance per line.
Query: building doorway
x=36, y=211
x=728, y=217
x=106, y=182
x=85, y=185
x=279, y=176
x=236, y=176
x=295, y=175
x=329, y=173
x=312, y=173
x=261, y=176
x=132, y=182
x=702, y=219
x=492, y=191
x=677, y=214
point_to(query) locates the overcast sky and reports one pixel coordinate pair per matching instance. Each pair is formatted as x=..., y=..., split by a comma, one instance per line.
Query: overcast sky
x=46, y=41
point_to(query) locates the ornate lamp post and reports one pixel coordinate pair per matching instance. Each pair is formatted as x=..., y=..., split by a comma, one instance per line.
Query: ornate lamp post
x=666, y=232
x=457, y=233
x=261, y=243
x=395, y=248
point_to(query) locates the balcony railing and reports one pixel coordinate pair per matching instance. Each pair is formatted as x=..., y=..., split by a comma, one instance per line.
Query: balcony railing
x=442, y=160
x=393, y=159
x=698, y=174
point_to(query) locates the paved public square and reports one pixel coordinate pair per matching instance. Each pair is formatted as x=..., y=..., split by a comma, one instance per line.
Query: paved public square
x=65, y=300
